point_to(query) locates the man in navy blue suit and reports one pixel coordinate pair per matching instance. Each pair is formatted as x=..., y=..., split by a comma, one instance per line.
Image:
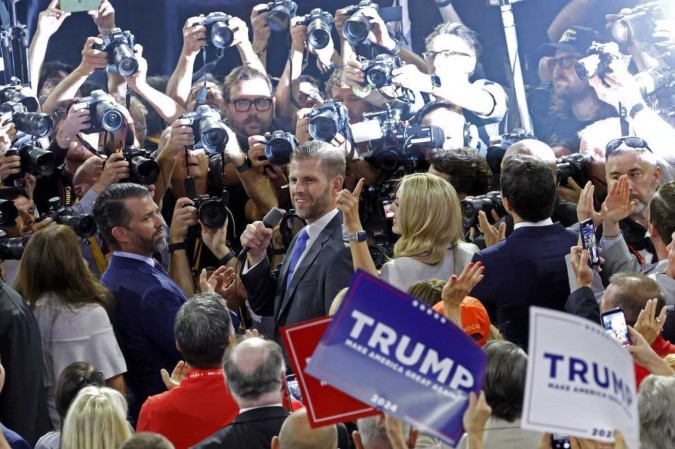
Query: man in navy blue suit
x=147, y=299
x=528, y=268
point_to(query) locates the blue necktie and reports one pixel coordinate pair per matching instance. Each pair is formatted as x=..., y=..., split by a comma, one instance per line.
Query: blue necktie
x=300, y=245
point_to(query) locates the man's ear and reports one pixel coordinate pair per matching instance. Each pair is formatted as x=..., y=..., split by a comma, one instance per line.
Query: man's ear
x=338, y=182
x=120, y=234
x=653, y=232
x=657, y=175
x=507, y=204
x=275, y=443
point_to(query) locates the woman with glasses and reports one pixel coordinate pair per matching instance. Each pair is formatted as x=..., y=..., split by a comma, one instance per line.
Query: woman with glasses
x=72, y=309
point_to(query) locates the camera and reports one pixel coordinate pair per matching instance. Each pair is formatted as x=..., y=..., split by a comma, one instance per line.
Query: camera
x=11, y=248
x=218, y=30
x=211, y=210
x=378, y=72
x=639, y=23
x=572, y=166
x=104, y=114
x=120, y=48
x=279, y=147
x=84, y=225
x=486, y=203
x=357, y=27
x=653, y=80
x=280, y=13
x=33, y=123
x=142, y=167
x=499, y=145
x=328, y=120
x=319, y=24
x=8, y=214
x=34, y=160
x=9, y=93
x=599, y=57
x=210, y=132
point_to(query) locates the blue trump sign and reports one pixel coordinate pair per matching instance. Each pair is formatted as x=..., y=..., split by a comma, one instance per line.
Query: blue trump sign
x=388, y=349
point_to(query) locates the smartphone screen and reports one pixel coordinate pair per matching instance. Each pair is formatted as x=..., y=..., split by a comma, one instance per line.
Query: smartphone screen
x=559, y=441
x=615, y=325
x=386, y=208
x=587, y=232
x=78, y=5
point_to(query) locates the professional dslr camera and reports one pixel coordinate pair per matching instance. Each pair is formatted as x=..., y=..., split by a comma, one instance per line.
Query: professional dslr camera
x=572, y=166
x=33, y=123
x=599, y=57
x=120, y=48
x=143, y=169
x=84, y=225
x=34, y=160
x=640, y=23
x=8, y=214
x=378, y=72
x=11, y=248
x=104, y=114
x=486, y=203
x=319, y=24
x=210, y=132
x=328, y=120
x=218, y=30
x=13, y=92
x=280, y=13
x=279, y=147
x=211, y=210
x=357, y=27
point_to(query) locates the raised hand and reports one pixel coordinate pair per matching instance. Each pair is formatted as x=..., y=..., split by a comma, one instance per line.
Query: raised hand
x=348, y=204
x=585, y=207
x=617, y=205
x=177, y=375
x=648, y=324
x=579, y=261
x=491, y=234
x=104, y=17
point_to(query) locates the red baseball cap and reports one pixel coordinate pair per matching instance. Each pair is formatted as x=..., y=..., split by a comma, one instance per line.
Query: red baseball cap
x=475, y=319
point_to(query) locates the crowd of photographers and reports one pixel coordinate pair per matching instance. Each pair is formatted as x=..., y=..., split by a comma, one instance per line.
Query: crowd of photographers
x=149, y=222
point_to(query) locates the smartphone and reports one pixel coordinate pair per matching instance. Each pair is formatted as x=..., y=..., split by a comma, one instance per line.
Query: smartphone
x=587, y=233
x=614, y=322
x=559, y=441
x=386, y=208
x=78, y=5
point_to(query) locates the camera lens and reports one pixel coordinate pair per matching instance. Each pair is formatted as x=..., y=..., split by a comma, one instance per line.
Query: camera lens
x=34, y=123
x=40, y=162
x=125, y=61
x=588, y=67
x=378, y=76
x=323, y=126
x=279, y=18
x=221, y=35
x=213, y=135
x=12, y=248
x=212, y=213
x=318, y=34
x=356, y=29
x=83, y=225
x=110, y=118
x=279, y=148
x=469, y=213
x=143, y=170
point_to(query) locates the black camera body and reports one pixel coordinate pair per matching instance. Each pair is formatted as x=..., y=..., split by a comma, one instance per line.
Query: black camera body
x=209, y=130
x=280, y=13
x=11, y=248
x=84, y=225
x=218, y=31
x=120, y=48
x=13, y=92
x=378, y=72
x=211, y=210
x=319, y=25
x=572, y=166
x=33, y=123
x=328, y=120
x=279, y=147
x=486, y=203
x=599, y=57
x=143, y=169
x=356, y=29
x=34, y=160
x=104, y=114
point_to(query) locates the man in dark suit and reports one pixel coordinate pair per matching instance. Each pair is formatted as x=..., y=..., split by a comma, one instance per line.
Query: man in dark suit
x=318, y=263
x=146, y=298
x=255, y=371
x=528, y=268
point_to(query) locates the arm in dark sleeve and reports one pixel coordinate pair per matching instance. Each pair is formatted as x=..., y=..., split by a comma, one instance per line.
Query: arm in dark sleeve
x=483, y=290
x=261, y=285
x=581, y=302
x=158, y=308
x=338, y=276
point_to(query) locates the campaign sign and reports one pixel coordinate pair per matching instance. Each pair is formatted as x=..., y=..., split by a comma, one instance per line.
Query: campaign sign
x=580, y=381
x=389, y=350
x=325, y=405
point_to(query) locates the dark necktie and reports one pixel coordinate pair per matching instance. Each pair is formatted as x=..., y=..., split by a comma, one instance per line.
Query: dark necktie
x=159, y=267
x=300, y=245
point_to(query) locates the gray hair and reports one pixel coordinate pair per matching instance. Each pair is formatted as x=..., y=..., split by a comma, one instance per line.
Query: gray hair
x=656, y=407
x=504, y=383
x=253, y=367
x=332, y=158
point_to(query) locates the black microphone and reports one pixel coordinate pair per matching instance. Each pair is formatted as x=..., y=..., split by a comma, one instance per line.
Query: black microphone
x=270, y=220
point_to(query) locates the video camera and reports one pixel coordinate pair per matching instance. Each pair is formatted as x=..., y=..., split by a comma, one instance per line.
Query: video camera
x=319, y=25
x=104, y=113
x=120, y=48
x=486, y=203
x=11, y=248
x=208, y=128
x=328, y=120
x=218, y=31
x=378, y=72
x=280, y=13
x=572, y=166
x=599, y=57
x=84, y=225
x=143, y=169
x=357, y=27
x=279, y=147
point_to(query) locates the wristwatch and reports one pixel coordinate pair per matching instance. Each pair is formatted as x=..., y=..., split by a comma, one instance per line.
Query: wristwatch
x=435, y=81
x=358, y=236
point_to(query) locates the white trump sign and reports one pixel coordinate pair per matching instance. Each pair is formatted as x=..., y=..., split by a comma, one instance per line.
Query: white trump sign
x=580, y=381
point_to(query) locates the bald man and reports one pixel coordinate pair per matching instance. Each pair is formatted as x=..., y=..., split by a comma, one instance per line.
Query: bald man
x=297, y=434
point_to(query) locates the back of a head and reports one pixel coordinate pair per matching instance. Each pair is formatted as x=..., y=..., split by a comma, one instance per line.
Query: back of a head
x=332, y=159
x=254, y=369
x=429, y=291
x=203, y=330
x=110, y=210
x=72, y=379
x=296, y=433
x=504, y=383
x=466, y=170
x=630, y=292
x=595, y=137
x=96, y=418
x=656, y=408
x=373, y=434
x=148, y=440
x=531, y=147
x=527, y=183
x=662, y=211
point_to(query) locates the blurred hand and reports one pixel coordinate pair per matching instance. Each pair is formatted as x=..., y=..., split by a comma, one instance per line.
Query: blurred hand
x=648, y=324
x=378, y=32
x=219, y=279
x=579, y=261
x=104, y=16
x=114, y=170
x=8, y=130
x=194, y=36
x=476, y=415
x=239, y=31
x=585, y=206
x=491, y=234
x=40, y=225
x=216, y=239
x=298, y=35
x=617, y=205
x=256, y=151
x=639, y=348
x=29, y=182
x=410, y=77
x=261, y=32
x=50, y=20
x=617, y=86
x=352, y=75
x=139, y=79
x=456, y=289
x=398, y=439
x=302, y=125
x=93, y=59
x=177, y=375
x=184, y=216
x=339, y=20
x=348, y=204
x=571, y=192
x=76, y=120
x=181, y=136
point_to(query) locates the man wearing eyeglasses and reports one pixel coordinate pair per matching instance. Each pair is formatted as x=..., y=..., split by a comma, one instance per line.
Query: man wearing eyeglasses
x=574, y=103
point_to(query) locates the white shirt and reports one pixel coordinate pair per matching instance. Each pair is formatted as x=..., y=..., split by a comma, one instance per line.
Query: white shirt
x=315, y=229
x=530, y=224
x=149, y=260
x=242, y=410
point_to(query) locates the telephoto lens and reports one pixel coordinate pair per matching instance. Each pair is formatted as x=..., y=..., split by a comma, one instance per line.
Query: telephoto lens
x=11, y=248
x=84, y=225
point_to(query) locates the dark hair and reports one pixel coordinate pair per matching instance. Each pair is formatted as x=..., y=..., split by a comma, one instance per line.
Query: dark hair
x=265, y=378
x=148, y=440
x=504, y=383
x=73, y=378
x=50, y=70
x=527, y=183
x=110, y=210
x=12, y=193
x=456, y=29
x=632, y=292
x=469, y=173
x=243, y=73
x=662, y=211
x=202, y=330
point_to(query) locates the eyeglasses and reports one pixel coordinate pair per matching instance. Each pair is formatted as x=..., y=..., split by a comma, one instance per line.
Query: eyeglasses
x=630, y=141
x=243, y=104
x=564, y=62
x=431, y=55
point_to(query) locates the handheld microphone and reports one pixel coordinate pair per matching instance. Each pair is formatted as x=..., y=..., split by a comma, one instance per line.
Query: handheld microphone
x=270, y=220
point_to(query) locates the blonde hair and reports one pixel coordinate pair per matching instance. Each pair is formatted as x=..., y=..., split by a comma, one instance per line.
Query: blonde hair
x=337, y=301
x=430, y=218
x=429, y=291
x=494, y=334
x=96, y=419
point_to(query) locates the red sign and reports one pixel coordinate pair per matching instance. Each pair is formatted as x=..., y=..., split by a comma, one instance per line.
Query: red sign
x=325, y=405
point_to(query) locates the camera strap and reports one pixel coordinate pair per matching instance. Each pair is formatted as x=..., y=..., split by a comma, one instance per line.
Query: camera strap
x=623, y=113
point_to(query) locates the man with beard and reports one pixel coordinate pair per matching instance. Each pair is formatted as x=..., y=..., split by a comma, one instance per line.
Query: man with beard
x=318, y=263
x=146, y=298
x=574, y=103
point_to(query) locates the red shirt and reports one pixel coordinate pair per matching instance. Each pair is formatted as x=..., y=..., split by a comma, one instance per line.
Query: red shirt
x=662, y=347
x=198, y=408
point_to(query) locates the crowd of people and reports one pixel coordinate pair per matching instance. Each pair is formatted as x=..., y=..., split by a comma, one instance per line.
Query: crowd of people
x=158, y=232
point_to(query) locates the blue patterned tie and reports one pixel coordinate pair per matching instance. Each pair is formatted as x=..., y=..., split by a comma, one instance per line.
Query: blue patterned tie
x=300, y=245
